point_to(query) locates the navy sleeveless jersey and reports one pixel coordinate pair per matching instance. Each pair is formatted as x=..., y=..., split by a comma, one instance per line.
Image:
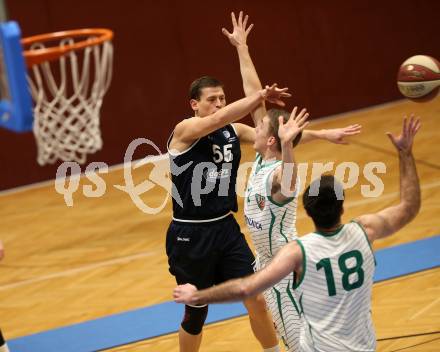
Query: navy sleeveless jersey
x=204, y=176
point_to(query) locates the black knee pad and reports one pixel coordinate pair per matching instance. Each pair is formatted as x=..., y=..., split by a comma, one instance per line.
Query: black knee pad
x=2, y=340
x=194, y=319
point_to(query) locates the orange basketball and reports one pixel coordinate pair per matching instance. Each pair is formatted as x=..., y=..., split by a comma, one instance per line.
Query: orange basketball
x=419, y=77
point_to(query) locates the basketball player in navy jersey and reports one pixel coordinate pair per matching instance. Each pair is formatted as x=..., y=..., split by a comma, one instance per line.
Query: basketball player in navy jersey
x=3, y=345
x=204, y=243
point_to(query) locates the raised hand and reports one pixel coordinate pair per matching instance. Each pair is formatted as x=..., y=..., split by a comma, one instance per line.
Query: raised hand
x=239, y=31
x=404, y=141
x=273, y=94
x=337, y=135
x=293, y=126
x=184, y=293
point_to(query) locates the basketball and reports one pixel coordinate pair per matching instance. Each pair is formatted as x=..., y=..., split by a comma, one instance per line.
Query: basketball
x=419, y=78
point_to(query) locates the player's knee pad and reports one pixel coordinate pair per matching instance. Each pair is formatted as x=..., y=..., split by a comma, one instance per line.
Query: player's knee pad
x=2, y=340
x=194, y=319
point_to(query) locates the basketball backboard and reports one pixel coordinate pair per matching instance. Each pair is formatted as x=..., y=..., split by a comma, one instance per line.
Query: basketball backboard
x=15, y=99
x=60, y=97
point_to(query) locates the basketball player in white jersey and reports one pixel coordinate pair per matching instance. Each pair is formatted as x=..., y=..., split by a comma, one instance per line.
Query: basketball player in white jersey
x=270, y=205
x=270, y=212
x=334, y=265
x=3, y=345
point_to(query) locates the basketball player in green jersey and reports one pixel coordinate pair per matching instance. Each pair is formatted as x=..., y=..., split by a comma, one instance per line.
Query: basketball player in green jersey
x=270, y=212
x=333, y=266
x=3, y=345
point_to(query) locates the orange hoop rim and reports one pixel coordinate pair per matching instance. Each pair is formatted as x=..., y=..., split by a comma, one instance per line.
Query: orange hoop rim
x=37, y=56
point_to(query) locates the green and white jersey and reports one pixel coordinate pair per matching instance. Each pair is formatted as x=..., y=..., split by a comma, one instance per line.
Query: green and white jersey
x=334, y=291
x=271, y=224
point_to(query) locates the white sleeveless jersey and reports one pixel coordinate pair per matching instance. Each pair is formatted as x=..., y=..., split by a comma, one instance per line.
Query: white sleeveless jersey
x=334, y=291
x=272, y=225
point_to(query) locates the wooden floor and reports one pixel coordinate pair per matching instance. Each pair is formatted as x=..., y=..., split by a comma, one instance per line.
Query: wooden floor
x=66, y=265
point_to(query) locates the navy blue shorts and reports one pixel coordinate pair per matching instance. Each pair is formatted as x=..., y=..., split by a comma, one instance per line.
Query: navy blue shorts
x=206, y=254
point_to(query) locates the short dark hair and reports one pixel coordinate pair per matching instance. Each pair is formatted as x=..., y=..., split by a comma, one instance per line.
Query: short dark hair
x=323, y=201
x=274, y=124
x=195, y=89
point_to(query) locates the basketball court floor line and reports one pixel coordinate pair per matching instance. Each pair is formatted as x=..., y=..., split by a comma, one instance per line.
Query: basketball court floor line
x=51, y=182
x=138, y=256
x=79, y=270
x=425, y=309
x=391, y=195
x=392, y=153
x=144, y=323
x=367, y=109
x=121, y=165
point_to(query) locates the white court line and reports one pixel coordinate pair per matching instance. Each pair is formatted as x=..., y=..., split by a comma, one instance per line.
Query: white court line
x=135, y=163
x=425, y=309
x=392, y=195
x=147, y=254
x=163, y=156
x=358, y=111
x=78, y=270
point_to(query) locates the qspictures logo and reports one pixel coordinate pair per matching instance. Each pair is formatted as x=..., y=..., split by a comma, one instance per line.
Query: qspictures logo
x=205, y=178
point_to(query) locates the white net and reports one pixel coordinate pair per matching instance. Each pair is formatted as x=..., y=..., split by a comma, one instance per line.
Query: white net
x=68, y=94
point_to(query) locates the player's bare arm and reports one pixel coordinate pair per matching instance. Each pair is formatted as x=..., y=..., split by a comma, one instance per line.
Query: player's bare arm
x=251, y=81
x=284, y=180
x=238, y=38
x=333, y=135
x=245, y=133
x=391, y=219
x=189, y=130
x=287, y=260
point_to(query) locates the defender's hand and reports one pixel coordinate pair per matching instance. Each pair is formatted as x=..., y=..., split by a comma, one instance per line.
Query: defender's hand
x=404, y=141
x=239, y=31
x=337, y=135
x=289, y=130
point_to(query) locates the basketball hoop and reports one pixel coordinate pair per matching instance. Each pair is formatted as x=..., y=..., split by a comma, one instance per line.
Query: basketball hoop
x=70, y=72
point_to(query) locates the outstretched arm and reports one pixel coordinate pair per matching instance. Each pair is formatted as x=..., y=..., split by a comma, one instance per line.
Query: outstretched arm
x=191, y=129
x=391, y=219
x=284, y=180
x=251, y=81
x=334, y=135
x=238, y=38
x=288, y=259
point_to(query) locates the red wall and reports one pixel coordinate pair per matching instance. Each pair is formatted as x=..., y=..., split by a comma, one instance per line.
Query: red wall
x=334, y=55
